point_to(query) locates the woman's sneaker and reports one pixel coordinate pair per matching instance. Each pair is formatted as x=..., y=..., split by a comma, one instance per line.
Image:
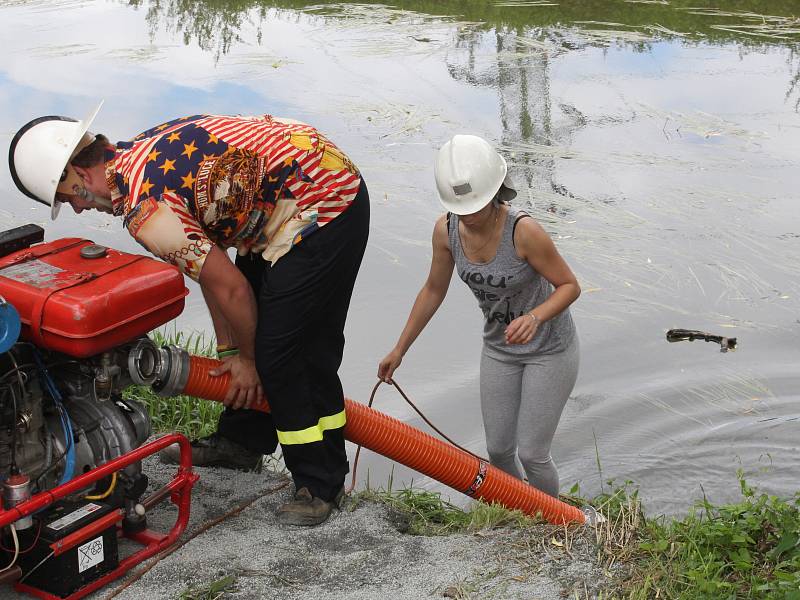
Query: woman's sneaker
x=215, y=451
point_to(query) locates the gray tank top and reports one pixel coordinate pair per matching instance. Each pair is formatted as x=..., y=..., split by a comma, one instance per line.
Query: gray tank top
x=506, y=287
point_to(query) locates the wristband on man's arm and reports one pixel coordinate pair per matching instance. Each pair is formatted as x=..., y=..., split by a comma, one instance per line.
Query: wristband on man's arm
x=224, y=350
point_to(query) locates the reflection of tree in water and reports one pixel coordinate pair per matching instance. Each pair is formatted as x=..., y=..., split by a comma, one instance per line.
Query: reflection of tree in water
x=794, y=84
x=520, y=74
x=214, y=25
x=516, y=69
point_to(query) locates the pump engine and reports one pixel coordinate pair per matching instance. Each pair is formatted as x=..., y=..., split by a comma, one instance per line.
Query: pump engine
x=79, y=310
x=63, y=416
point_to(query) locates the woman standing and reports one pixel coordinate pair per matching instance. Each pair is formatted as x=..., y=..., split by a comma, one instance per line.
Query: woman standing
x=523, y=286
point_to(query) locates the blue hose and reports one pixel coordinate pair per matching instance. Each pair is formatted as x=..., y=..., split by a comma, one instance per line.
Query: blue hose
x=69, y=465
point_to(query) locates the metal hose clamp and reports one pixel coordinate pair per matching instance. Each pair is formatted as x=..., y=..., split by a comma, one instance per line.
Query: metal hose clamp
x=593, y=518
x=165, y=369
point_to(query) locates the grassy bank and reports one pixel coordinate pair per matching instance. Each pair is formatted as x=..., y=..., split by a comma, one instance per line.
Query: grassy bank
x=748, y=549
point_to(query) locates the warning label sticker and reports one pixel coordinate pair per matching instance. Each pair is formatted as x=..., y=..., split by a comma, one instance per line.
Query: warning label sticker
x=90, y=554
x=35, y=273
x=75, y=515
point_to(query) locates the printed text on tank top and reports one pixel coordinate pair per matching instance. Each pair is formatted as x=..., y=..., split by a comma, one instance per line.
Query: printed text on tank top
x=506, y=287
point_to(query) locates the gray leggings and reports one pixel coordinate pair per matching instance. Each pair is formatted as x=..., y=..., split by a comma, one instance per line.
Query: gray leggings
x=521, y=400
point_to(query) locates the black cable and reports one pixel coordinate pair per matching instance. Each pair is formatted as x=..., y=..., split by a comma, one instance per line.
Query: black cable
x=31, y=545
x=39, y=564
x=14, y=469
x=54, y=464
x=12, y=440
x=15, y=370
x=57, y=365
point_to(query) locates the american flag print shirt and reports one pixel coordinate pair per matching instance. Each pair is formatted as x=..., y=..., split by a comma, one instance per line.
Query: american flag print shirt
x=259, y=184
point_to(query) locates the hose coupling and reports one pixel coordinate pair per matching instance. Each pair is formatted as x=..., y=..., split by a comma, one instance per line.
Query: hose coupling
x=593, y=518
x=165, y=369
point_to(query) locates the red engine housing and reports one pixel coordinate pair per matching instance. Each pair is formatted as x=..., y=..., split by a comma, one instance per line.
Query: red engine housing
x=81, y=299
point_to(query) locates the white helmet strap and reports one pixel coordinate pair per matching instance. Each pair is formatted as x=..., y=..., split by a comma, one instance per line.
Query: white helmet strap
x=70, y=180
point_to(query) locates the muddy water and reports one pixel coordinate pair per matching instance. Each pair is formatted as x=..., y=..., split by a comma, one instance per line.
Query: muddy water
x=658, y=146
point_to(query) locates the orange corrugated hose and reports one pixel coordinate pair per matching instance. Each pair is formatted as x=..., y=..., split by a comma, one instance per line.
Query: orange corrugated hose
x=415, y=449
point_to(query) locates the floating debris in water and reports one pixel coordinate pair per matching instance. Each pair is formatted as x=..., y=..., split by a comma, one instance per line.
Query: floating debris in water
x=399, y=119
x=380, y=30
x=664, y=30
x=610, y=34
x=524, y=3
x=61, y=51
x=701, y=123
x=252, y=64
x=767, y=26
x=142, y=54
x=683, y=335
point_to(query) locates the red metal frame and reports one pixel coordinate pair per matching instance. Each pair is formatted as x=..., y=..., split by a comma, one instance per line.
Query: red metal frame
x=179, y=491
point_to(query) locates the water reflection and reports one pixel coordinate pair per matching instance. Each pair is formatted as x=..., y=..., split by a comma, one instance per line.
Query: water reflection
x=663, y=160
x=214, y=26
x=520, y=76
x=216, y=23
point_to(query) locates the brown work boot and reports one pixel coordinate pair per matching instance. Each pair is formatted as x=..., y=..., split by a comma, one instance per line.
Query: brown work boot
x=215, y=451
x=306, y=509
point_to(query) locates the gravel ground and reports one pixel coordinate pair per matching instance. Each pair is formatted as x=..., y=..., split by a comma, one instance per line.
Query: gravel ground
x=359, y=553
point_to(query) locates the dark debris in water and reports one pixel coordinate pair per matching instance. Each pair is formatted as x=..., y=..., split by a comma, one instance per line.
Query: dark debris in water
x=681, y=335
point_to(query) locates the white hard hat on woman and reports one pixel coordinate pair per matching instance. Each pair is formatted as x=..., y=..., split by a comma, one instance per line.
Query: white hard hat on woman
x=40, y=154
x=469, y=174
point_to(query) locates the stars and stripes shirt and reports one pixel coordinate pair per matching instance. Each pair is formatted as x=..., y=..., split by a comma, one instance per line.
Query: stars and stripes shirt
x=260, y=184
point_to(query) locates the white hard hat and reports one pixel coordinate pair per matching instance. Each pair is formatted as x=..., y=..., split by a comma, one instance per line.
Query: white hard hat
x=40, y=153
x=469, y=172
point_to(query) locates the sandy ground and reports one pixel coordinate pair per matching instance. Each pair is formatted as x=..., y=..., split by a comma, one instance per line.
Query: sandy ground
x=359, y=553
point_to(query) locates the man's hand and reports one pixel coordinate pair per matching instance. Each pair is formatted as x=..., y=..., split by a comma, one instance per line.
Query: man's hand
x=522, y=329
x=245, y=388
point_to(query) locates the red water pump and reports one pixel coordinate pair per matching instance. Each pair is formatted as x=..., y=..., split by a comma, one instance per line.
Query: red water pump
x=71, y=445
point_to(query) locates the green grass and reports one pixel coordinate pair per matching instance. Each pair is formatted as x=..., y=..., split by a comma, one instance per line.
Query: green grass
x=211, y=591
x=748, y=549
x=426, y=513
x=184, y=414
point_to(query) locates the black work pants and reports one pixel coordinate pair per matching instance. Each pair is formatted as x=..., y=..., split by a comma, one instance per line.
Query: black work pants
x=303, y=301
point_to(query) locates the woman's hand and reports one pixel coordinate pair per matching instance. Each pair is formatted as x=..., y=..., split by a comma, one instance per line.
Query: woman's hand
x=388, y=365
x=522, y=329
x=245, y=389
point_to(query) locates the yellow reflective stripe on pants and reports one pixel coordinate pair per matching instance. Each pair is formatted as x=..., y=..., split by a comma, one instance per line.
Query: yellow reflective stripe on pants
x=313, y=433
